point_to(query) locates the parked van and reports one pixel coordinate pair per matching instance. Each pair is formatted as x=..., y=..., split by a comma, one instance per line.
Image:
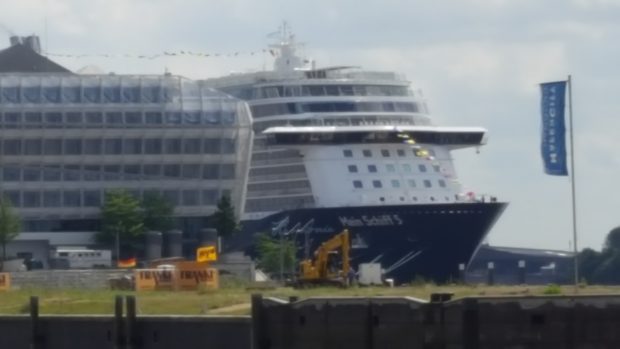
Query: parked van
x=83, y=258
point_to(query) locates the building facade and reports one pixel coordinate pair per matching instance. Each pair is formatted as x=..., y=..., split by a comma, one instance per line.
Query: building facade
x=67, y=139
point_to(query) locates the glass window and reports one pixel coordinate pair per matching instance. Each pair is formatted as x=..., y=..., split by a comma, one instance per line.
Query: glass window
x=442, y=183
x=113, y=146
x=229, y=146
x=112, y=94
x=212, y=146
x=172, y=170
x=406, y=168
x=132, y=146
x=152, y=146
x=73, y=118
x=133, y=118
x=11, y=174
x=422, y=167
x=400, y=152
x=72, y=146
x=33, y=147
x=153, y=118
x=436, y=168
x=31, y=198
x=71, y=94
x=209, y=197
x=357, y=184
x=347, y=153
x=372, y=168
x=191, y=171
x=211, y=171
x=377, y=184
x=227, y=171
x=395, y=183
x=191, y=198
x=92, y=172
x=131, y=171
x=92, y=94
x=51, y=198
x=71, y=198
x=172, y=146
x=53, y=119
x=113, y=118
x=367, y=153
x=71, y=173
x=411, y=183
x=191, y=146
x=14, y=197
x=353, y=168
x=427, y=183
x=385, y=152
x=52, y=173
x=390, y=168
x=92, y=146
x=12, y=147
x=152, y=170
x=94, y=118
x=111, y=172
x=32, y=174
x=52, y=147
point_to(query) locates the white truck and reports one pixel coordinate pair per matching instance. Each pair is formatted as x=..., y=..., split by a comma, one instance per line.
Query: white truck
x=83, y=258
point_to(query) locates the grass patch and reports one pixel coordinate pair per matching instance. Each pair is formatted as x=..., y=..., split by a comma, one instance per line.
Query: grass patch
x=233, y=298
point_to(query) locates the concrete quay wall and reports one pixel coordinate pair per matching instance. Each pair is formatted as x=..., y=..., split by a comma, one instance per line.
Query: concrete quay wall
x=582, y=322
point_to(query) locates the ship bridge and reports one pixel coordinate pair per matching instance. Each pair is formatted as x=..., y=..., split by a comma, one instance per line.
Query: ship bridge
x=452, y=137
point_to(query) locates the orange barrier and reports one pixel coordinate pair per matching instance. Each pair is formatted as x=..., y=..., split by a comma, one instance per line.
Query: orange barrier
x=5, y=281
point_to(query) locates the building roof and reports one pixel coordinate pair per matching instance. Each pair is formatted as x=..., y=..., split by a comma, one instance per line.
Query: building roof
x=22, y=59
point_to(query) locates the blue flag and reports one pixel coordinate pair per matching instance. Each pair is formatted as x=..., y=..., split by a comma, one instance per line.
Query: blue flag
x=553, y=145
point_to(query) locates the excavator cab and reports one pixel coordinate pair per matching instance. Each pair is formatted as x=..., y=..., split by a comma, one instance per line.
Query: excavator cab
x=330, y=264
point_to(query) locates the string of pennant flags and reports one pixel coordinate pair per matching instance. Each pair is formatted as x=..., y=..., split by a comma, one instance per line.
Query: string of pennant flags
x=179, y=53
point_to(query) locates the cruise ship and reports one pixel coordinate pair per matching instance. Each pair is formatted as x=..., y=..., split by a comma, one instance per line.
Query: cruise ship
x=341, y=147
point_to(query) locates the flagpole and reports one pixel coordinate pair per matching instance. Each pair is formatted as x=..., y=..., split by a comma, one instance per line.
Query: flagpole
x=572, y=172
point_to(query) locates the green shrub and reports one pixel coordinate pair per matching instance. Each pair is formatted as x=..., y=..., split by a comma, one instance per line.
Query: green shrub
x=552, y=289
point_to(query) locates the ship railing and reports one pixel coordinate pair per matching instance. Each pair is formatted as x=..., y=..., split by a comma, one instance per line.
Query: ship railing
x=473, y=197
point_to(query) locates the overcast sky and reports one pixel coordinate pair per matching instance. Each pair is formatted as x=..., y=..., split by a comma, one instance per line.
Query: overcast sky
x=478, y=62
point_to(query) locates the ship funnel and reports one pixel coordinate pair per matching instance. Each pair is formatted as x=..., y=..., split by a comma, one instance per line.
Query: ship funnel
x=32, y=42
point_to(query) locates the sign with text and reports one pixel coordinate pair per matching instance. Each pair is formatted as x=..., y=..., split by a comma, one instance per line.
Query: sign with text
x=206, y=254
x=198, y=277
x=5, y=281
x=154, y=279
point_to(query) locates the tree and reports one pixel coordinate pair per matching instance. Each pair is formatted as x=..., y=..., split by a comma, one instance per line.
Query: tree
x=269, y=257
x=223, y=219
x=10, y=225
x=121, y=214
x=157, y=212
x=613, y=240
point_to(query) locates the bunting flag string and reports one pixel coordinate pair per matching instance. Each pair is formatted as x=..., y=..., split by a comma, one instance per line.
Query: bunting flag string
x=180, y=53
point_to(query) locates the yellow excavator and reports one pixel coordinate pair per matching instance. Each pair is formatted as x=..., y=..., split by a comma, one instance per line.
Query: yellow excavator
x=330, y=265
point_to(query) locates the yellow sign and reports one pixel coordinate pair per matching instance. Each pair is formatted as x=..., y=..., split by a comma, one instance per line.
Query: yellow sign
x=5, y=281
x=154, y=279
x=206, y=254
x=193, y=278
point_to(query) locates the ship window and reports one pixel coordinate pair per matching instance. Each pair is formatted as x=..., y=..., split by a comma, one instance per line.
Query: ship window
x=427, y=183
x=436, y=168
x=372, y=168
x=347, y=153
x=432, y=198
x=400, y=152
x=367, y=153
x=357, y=184
x=352, y=168
x=407, y=168
x=395, y=183
x=415, y=198
x=385, y=152
x=332, y=90
x=411, y=183
x=347, y=90
x=377, y=184
x=442, y=183
x=390, y=168
x=422, y=167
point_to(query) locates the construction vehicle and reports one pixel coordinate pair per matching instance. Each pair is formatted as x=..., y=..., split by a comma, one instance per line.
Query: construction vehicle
x=330, y=265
